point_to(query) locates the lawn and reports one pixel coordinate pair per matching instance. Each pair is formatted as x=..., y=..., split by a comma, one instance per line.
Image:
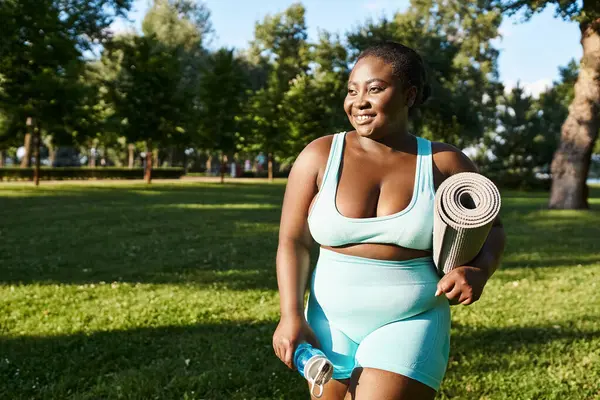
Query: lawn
x=169, y=291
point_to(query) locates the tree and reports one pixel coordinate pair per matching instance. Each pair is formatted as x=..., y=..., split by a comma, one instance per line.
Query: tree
x=454, y=39
x=281, y=46
x=146, y=94
x=553, y=109
x=514, y=148
x=222, y=92
x=41, y=60
x=571, y=163
x=183, y=25
x=313, y=105
x=153, y=80
x=527, y=132
x=7, y=137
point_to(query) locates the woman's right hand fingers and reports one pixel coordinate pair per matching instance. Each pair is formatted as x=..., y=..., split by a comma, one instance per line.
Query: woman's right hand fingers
x=288, y=355
x=289, y=332
x=284, y=351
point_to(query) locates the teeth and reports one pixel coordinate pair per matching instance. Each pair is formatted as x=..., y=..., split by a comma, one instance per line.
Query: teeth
x=363, y=117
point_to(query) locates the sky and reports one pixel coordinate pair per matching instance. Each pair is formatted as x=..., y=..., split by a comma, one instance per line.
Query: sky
x=530, y=52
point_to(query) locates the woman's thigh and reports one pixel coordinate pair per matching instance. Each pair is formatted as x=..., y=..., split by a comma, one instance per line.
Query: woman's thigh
x=370, y=383
x=415, y=348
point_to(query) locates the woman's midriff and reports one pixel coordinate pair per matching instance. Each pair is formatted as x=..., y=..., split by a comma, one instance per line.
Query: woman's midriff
x=379, y=251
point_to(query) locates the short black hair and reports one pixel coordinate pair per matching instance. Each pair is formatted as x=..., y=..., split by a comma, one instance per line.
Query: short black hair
x=407, y=66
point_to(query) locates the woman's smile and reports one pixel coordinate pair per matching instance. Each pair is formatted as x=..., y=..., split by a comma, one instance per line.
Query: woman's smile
x=364, y=119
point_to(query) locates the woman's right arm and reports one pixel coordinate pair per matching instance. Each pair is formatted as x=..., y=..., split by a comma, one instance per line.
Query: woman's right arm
x=293, y=252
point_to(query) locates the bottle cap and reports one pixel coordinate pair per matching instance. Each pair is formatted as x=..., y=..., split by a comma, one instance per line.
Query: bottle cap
x=318, y=371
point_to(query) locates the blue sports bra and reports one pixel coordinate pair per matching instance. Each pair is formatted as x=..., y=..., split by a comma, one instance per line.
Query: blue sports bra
x=410, y=228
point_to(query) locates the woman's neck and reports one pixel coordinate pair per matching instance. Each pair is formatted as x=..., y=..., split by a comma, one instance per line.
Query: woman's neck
x=399, y=140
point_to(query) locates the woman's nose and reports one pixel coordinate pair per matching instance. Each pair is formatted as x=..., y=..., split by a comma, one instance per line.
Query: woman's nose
x=362, y=101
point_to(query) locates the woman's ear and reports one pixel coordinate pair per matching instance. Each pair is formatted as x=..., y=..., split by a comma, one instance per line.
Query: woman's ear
x=411, y=96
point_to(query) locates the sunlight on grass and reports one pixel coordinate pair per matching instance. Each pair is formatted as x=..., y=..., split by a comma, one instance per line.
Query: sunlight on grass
x=43, y=310
x=169, y=291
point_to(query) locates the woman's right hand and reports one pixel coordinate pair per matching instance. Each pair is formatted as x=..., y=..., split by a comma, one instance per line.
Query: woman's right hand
x=290, y=332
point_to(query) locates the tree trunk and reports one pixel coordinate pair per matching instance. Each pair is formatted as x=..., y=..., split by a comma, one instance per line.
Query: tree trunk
x=149, y=157
x=1, y=158
x=571, y=162
x=222, y=168
x=51, y=154
x=170, y=156
x=209, y=164
x=270, y=167
x=92, y=163
x=103, y=156
x=36, y=153
x=131, y=148
x=26, y=161
x=155, y=155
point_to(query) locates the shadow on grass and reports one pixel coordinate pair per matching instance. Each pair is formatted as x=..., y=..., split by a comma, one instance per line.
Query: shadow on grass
x=514, y=339
x=211, y=361
x=208, y=361
x=203, y=234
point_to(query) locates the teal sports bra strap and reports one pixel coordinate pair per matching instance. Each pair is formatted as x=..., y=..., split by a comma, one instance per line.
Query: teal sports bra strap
x=330, y=176
x=425, y=165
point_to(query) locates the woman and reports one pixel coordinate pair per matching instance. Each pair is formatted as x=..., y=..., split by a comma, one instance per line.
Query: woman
x=377, y=308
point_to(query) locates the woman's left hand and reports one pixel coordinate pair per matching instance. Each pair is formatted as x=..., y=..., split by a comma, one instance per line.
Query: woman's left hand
x=463, y=285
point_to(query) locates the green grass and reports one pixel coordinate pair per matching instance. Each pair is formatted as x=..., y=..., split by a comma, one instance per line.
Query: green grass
x=169, y=292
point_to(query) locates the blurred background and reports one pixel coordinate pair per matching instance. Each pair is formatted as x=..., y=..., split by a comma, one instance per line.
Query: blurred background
x=112, y=288
x=199, y=85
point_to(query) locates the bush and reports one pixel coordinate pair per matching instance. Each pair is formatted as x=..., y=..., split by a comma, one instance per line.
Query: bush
x=518, y=181
x=78, y=173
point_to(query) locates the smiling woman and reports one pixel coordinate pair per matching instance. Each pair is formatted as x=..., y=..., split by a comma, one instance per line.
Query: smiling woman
x=376, y=307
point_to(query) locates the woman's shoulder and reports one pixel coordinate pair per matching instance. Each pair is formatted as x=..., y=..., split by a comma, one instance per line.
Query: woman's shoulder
x=315, y=154
x=450, y=160
x=318, y=149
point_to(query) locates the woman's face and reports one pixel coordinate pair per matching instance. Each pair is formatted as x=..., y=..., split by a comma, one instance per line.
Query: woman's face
x=376, y=104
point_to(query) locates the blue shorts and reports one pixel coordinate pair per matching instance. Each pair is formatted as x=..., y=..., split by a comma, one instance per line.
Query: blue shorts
x=380, y=314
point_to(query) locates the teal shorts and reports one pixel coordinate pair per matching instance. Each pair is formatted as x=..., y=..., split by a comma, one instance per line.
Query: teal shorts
x=380, y=314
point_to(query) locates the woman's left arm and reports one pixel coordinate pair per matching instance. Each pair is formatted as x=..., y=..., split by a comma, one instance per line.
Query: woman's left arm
x=464, y=284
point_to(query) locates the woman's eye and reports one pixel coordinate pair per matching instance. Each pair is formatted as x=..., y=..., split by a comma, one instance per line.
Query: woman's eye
x=375, y=89
x=351, y=92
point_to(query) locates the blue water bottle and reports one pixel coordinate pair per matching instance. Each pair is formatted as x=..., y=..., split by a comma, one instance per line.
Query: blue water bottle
x=314, y=366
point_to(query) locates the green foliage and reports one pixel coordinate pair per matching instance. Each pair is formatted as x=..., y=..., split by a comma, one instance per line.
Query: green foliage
x=576, y=10
x=79, y=173
x=282, y=39
x=275, y=97
x=222, y=91
x=553, y=109
x=454, y=39
x=41, y=60
x=280, y=45
x=170, y=292
x=312, y=106
x=527, y=134
x=7, y=134
x=147, y=96
x=175, y=23
x=517, y=143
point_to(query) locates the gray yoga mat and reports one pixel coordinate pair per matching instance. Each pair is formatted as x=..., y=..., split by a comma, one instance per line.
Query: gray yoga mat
x=466, y=205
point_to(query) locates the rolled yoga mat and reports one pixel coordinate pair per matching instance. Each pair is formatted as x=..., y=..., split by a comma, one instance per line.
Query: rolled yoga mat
x=466, y=205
